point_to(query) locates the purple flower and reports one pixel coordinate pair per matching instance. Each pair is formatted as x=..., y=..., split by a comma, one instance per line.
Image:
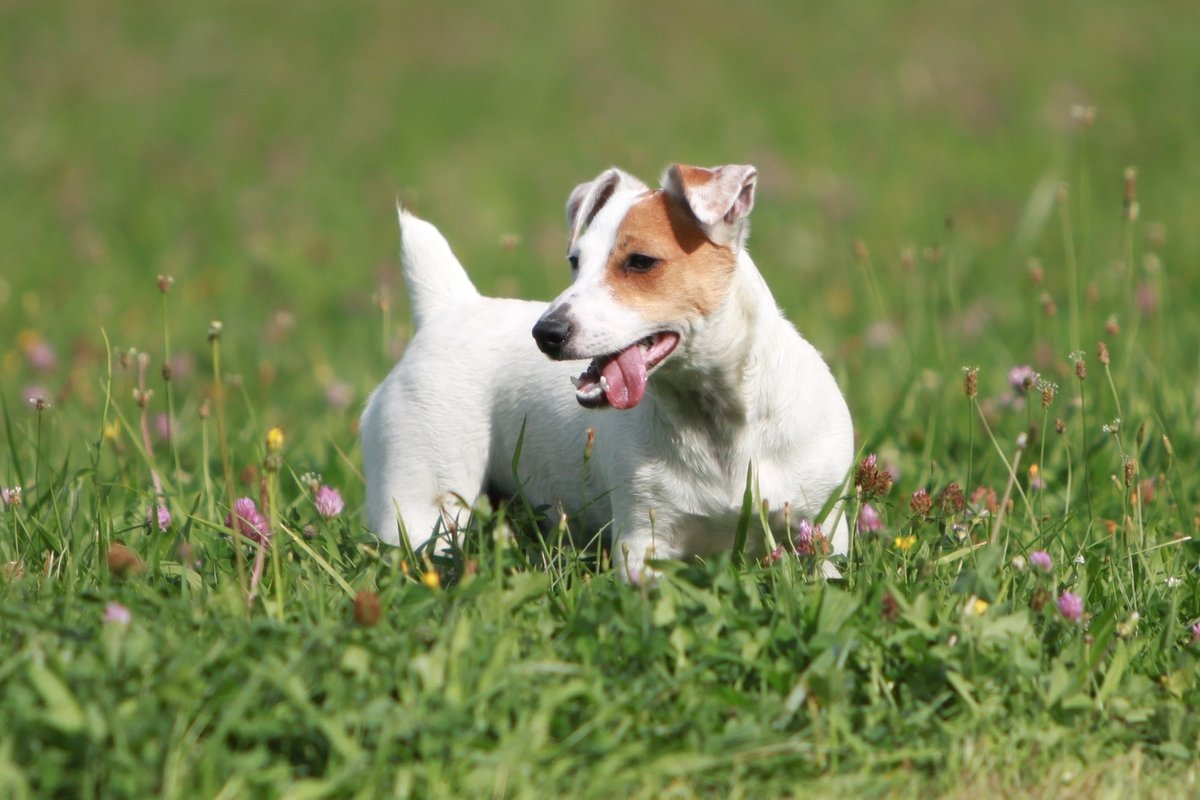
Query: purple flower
x=810, y=540
x=10, y=496
x=1041, y=561
x=339, y=395
x=41, y=356
x=117, y=614
x=869, y=520
x=1195, y=632
x=162, y=426
x=1022, y=378
x=247, y=520
x=159, y=516
x=1070, y=606
x=329, y=502
x=182, y=366
x=1146, y=297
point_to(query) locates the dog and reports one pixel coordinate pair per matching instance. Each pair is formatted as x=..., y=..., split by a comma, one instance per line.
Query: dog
x=693, y=377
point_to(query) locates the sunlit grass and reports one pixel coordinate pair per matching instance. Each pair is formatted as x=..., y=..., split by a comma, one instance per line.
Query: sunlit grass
x=200, y=288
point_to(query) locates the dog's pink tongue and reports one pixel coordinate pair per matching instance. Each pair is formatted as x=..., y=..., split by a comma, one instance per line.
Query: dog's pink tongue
x=626, y=378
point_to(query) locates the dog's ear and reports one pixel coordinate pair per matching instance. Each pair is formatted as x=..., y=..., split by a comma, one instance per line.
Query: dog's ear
x=720, y=198
x=588, y=198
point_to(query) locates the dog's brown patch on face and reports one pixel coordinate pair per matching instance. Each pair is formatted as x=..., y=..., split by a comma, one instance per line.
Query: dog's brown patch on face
x=692, y=276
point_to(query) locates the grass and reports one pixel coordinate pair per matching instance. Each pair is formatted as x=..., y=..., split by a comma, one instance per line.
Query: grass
x=942, y=187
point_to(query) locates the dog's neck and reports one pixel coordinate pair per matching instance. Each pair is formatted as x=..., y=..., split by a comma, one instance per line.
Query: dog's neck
x=716, y=389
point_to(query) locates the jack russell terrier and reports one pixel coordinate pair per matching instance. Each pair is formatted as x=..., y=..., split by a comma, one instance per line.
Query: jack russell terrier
x=699, y=375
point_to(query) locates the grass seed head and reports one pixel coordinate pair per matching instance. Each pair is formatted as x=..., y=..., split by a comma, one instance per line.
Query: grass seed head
x=889, y=609
x=1156, y=235
x=367, y=611
x=123, y=562
x=1048, y=391
x=1039, y=599
x=1083, y=116
x=1037, y=274
x=1129, y=200
x=861, y=254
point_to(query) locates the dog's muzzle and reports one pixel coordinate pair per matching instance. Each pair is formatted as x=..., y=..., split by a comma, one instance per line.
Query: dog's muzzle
x=553, y=331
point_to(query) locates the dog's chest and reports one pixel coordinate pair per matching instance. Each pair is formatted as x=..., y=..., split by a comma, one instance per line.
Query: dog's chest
x=698, y=492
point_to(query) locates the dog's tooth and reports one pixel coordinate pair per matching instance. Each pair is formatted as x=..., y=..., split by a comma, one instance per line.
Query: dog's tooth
x=576, y=382
x=603, y=384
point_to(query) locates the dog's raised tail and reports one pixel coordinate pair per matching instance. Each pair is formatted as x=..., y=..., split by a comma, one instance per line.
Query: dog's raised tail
x=433, y=275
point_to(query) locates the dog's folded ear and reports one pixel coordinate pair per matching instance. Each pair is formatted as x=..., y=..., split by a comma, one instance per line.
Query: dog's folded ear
x=719, y=198
x=587, y=199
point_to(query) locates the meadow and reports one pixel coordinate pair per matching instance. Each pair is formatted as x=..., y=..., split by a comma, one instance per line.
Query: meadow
x=982, y=214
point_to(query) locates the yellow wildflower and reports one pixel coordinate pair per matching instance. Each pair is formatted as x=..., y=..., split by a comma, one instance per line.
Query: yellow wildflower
x=26, y=339
x=275, y=439
x=905, y=542
x=431, y=579
x=112, y=431
x=978, y=607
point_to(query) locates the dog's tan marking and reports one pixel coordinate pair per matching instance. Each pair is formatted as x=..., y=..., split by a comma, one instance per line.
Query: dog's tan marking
x=694, y=274
x=693, y=176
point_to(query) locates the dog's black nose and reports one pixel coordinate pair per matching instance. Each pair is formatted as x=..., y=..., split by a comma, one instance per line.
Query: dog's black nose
x=552, y=332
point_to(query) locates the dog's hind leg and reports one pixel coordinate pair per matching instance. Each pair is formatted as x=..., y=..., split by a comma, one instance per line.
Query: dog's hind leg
x=418, y=493
x=422, y=466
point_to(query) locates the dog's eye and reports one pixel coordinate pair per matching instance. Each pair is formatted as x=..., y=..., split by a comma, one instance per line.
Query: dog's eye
x=574, y=261
x=639, y=262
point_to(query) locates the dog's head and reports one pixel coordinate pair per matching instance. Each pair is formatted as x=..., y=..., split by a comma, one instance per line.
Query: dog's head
x=647, y=266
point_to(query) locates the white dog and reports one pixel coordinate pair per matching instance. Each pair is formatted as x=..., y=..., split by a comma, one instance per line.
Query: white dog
x=700, y=375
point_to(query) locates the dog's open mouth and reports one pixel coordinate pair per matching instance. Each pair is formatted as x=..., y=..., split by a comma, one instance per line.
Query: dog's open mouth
x=619, y=379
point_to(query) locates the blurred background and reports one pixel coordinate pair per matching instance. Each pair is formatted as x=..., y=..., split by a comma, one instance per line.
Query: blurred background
x=909, y=156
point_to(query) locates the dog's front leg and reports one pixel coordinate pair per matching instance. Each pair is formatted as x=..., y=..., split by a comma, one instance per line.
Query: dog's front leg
x=642, y=536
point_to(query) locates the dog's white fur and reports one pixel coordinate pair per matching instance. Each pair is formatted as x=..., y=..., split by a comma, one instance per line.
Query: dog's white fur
x=666, y=477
